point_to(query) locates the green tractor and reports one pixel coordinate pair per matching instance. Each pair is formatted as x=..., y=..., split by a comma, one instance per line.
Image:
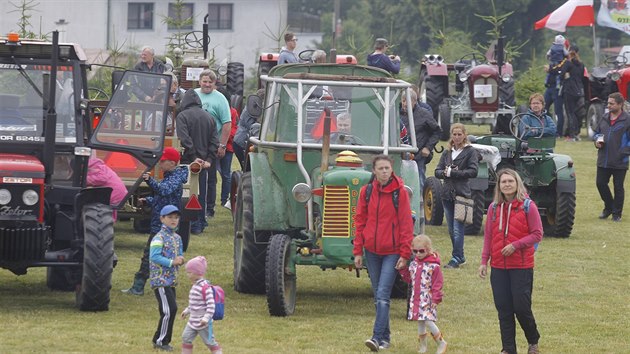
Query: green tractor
x=321, y=126
x=550, y=179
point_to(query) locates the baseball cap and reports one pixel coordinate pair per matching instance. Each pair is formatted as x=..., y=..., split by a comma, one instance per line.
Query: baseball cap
x=169, y=209
x=170, y=154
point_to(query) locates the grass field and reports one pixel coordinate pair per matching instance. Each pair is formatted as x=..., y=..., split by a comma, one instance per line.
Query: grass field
x=581, y=297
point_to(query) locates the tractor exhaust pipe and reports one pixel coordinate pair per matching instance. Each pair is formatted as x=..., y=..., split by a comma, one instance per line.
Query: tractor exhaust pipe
x=326, y=140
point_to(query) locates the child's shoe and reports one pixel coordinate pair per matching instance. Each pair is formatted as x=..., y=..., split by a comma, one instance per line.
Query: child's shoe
x=216, y=349
x=441, y=343
x=187, y=348
x=422, y=338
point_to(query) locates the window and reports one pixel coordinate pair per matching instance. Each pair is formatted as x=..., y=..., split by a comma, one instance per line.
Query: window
x=220, y=16
x=180, y=17
x=140, y=15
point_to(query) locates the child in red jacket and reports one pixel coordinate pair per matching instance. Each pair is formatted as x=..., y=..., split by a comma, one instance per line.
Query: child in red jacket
x=425, y=278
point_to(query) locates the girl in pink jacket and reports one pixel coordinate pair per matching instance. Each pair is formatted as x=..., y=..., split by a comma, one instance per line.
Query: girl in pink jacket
x=101, y=175
x=425, y=278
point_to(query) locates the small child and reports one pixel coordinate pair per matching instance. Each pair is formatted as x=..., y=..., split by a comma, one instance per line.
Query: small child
x=425, y=277
x=556, y=55
x=200, y=307
x=166, y=257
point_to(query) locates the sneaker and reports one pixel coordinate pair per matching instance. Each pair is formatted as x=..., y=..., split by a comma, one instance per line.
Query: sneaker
x=372, y=344
x=384, y=345
x=228, y=205
x=616, y=218
x=532, y=349
x=605, y=214
x=462, y=261
x=452, y=264
x=163, y=347
x=133, y=291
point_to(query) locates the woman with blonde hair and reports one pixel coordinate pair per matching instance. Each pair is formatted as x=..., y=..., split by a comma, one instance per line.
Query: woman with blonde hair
x=513, y=227
x=457, y=165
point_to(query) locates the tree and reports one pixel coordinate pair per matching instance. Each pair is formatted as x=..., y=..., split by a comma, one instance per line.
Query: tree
x=24, y=23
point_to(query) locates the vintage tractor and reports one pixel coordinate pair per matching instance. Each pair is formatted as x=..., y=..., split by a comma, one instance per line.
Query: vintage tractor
x=468, y=91
x=550, y=179
x=48, y=216
x=296, y=200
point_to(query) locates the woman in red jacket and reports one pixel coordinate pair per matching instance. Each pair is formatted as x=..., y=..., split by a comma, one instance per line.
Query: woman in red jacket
x=385, y=231
x=512, y=229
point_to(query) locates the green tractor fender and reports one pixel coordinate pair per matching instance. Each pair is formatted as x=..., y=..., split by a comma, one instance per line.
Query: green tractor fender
x=480, y=182
x=565, y=174
x=270, y=212
x=409, y=174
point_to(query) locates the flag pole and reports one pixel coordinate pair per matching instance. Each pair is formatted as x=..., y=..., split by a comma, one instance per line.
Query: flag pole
x=595, y=47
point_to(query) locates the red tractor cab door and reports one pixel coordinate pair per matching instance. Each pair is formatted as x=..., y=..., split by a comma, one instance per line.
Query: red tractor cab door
x=129, y=136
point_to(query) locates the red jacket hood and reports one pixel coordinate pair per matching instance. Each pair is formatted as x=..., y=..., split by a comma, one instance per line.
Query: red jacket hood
x=432, y=258
x=394, y=183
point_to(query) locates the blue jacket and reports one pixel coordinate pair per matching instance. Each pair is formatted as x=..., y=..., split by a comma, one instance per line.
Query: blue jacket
x=382, y=61
x=614, y=154
x=168, y=191
x=529, y=126
x=287, y=57
x=165, y=246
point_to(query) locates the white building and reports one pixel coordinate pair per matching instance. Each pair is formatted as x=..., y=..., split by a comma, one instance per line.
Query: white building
x=239, y=29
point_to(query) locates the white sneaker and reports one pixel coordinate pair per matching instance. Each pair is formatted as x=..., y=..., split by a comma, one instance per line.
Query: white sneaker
x=228, y=205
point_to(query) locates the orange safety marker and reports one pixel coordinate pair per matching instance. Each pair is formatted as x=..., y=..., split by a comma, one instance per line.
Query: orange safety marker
x=193, y=203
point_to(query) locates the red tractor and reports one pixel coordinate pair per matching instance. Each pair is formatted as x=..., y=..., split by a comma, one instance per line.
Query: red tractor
x=469, y=91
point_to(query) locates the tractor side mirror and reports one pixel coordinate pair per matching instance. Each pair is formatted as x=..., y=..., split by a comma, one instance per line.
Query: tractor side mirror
x=254, y=105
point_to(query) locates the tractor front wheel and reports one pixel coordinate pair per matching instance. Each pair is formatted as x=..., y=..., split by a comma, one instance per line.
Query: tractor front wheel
x=280, y=277
x=432, y=196
x=98, y=258
x=559, y=222
x=249, y=253
x=594, y=115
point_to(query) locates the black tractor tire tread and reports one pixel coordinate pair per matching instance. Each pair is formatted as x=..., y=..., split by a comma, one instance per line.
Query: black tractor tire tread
x=435, y=202
x=479, y=199
x=235, y=78
x=594, y=114
x=435, y=92
x=281, y=287
x=444, y=120
x=250, y=278
x=565, y=215
x=507, y=93
x=98, y=258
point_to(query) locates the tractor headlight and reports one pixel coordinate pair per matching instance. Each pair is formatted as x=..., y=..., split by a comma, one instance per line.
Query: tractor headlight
x=615, y=76
x=463, y=76
x=301, y=192
x=506, y=77
x=5, y=196
x=30, y=197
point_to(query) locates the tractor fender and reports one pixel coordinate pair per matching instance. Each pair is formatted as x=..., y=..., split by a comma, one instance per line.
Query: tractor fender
x=270, y=211
x=409, y=174
x=565, y=175
x=436, y=69
x=481, y=181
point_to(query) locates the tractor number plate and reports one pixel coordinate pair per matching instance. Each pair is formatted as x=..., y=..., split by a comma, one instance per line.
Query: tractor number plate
x=17, y=180
x=483, y=91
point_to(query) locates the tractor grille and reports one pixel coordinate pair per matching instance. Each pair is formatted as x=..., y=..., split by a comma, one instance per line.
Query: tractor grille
x=487, y=100
x=23, y=244
x=336, y=211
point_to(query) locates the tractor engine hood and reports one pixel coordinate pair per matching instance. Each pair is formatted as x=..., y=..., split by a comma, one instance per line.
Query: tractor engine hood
x=20, y=166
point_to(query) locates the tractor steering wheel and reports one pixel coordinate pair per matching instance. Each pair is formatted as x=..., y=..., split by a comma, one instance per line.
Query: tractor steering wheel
x=473, y=58
x=516, y=122
x=194, y=39
x=306, y=55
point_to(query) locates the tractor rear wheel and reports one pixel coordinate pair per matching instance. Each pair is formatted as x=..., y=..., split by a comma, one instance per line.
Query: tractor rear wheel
x=98, y=258
x=434, y=90
x=235, y=78
x=235, y=181
x=559, y=222
x=249, y=256
x=432, y=196
x=479, y=198
x=444, y=120
x=280, y=277
x=594, y=115
x=506, y=93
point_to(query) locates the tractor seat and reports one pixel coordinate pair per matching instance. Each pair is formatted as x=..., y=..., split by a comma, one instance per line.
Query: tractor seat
x=600, y=72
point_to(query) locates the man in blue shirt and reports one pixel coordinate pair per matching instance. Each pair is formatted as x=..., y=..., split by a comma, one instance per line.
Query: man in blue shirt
x=380, y=60
x=287, y=54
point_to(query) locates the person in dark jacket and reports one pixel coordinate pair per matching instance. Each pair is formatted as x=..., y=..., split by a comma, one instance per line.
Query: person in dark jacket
x=612, y=139
x=385, y=232
x=510, y=235
x=427, y=133
x=241, y=137
x=166, y=192
x=145, y=91
x=536, y=123
x=381, y=60
x=458, y=163
x=198, y=137
x=573, y=92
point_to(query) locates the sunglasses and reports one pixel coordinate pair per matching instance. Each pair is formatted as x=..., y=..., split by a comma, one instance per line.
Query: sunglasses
x=421, y=250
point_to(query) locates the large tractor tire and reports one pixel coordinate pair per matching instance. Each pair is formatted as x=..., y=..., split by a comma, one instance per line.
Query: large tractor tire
x=479, y=199
x=249, y=256
x=235, y=181
x=280, y=280
x=432, y=194
x=559, y=223
x=506, y=93
x=433, y=88
x=235, y=78
x=444, y=120
x=98, y=258
x=594, y=115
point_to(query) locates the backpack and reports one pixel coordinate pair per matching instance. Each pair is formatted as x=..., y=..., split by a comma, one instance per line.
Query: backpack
x=368, y=193
x=526, y=204
x=219, y=299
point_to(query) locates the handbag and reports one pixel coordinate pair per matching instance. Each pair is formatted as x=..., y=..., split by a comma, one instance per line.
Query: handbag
x=464, y=209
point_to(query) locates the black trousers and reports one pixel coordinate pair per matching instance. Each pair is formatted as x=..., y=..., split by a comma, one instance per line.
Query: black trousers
x=167, y=305
x=143, y=272
x=512, y=292
x=614, y=205
x=573, y=124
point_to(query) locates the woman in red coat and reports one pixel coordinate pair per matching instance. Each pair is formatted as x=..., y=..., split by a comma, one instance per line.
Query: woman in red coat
x=385, y=231
x=513, y=226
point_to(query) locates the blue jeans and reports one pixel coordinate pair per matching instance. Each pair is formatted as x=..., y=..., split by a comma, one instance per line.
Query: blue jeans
x=225, y=169
x=552, y=97
x=240, y=154
x=422, y=167
x=382, y=275
x=455, y=230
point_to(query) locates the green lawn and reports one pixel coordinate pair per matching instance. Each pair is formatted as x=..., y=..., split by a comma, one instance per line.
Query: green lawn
x=581, y=299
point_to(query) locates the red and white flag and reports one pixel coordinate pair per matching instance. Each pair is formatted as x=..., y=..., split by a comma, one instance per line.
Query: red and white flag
x=572, y=13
